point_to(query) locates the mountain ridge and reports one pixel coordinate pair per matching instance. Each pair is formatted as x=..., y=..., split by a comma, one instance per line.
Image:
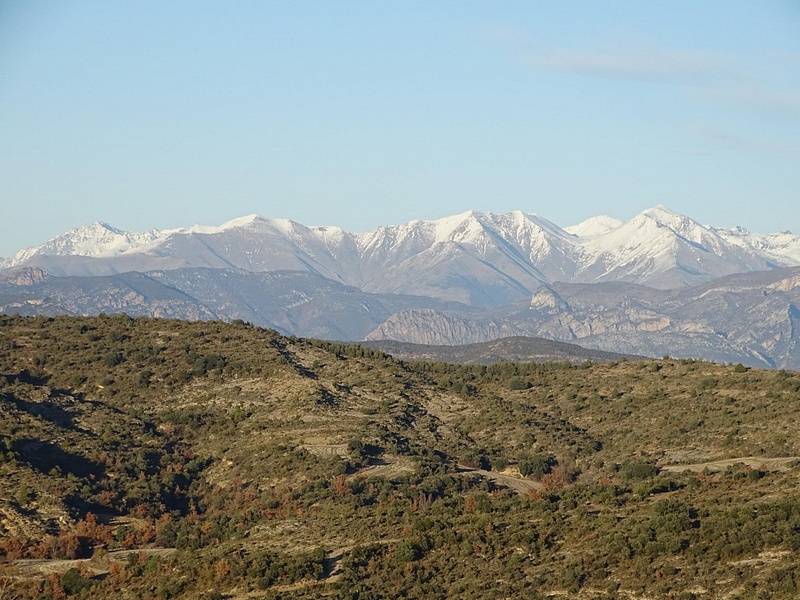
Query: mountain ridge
x=752, y=318
x=659, y=283
x=508, y=349
x=483, y=259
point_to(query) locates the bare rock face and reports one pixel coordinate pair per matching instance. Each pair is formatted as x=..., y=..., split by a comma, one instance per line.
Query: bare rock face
x=749, y=318
x=578, y=326
x=132, y=293
x=23, y=276
x=545, y=299
x=786, y=285
x=430, y=327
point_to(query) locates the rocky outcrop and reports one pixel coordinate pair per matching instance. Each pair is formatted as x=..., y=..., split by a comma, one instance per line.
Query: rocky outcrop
x=23, y=276
x=427, y=326
x=749, y=318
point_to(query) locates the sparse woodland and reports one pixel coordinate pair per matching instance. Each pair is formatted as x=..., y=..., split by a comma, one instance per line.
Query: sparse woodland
x=157, y=459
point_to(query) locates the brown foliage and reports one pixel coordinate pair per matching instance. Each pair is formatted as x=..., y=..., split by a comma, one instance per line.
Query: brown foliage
x=66, y=546
x=117, y=573
x=340, y=486
x=7, y=591
x=56, y=590
x=93, y=531
x=12, y=548
x=470, y=504
x=221, y=568
x=85, y=571
x=557, y=479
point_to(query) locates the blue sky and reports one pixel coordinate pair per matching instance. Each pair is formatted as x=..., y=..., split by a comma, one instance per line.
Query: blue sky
x=152, y=114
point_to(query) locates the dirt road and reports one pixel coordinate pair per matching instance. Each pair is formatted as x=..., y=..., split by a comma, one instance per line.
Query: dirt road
x=46, y=566
x=755, y=462
x=519, y=485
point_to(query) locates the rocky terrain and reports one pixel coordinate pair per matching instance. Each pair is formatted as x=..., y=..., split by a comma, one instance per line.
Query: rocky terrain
x=750, y=318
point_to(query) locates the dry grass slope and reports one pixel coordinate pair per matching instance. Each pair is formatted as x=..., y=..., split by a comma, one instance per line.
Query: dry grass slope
x=272, y=467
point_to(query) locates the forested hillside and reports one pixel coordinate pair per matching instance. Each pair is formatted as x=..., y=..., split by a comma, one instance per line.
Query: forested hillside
x=147, y=458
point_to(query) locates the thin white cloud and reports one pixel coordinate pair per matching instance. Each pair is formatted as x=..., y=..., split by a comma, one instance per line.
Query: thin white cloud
x=757, y=97
x=637, y=61
x=718, y=136
x=723, y=80
x=793, y=57
x=646, y=63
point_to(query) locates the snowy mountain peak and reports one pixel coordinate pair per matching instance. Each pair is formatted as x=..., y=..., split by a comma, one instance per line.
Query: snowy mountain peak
x=676, y=222
x=96, y=230
x=664, y=216
x=507, y=254
x=594, y=226
x=539, y=223
x=464, y=227
x=781, y=249
x=98, y=239
x=661, y=211
x=98, y=227
x=241, y=222
x=663, y=248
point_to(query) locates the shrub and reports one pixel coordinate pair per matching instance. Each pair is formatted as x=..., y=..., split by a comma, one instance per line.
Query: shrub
x=73, y=582
x=637, y=469
x=537, y=465
x=517, y=383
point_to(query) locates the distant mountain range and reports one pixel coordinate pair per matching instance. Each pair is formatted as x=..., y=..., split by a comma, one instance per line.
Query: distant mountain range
x=752, y=318
x=481, y=259
x=659, y=283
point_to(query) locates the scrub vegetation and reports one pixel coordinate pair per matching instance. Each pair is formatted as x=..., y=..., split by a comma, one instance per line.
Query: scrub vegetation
x=158, y=459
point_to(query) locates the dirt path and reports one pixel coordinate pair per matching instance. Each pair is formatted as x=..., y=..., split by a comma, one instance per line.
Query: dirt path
x=394, y=467
x=327, y=450
x=122, y=555
x=46, y=566
x=387, y=466
x=755, y=462
x=519, y=485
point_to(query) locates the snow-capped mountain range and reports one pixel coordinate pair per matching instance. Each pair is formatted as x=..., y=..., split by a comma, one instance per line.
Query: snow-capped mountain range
x=659, y=283
x=480, y=259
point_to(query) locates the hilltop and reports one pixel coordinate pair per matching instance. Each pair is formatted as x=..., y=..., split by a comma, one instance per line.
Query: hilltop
x=510, y=349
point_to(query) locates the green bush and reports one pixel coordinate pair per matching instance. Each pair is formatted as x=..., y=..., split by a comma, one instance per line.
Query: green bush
x=537, y=465
x=637, y=469
x=73, y=582
x=517, y=383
